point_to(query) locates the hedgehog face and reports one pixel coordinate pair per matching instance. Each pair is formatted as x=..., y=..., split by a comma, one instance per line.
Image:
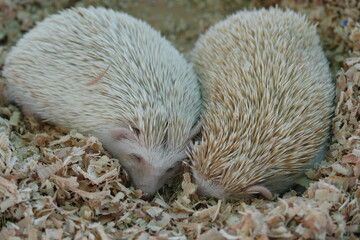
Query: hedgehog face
x=207, y=187
x=212, y=188
x=148, y=168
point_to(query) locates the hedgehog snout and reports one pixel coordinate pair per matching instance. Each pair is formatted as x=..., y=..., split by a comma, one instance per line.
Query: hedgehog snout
x=263, y=191
x=150, y=179
x=147, y=197
x=208, y=188
x=149, y=187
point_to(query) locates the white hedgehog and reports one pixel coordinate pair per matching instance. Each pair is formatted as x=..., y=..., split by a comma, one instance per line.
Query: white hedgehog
x=268, y=101
x=108, y=74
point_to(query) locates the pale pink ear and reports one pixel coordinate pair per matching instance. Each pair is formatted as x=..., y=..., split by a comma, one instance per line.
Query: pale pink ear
x=265, y=192
x=195, y=130
x=119, y=134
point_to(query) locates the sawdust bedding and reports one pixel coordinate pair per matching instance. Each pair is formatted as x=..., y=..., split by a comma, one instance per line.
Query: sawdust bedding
x=56, y=184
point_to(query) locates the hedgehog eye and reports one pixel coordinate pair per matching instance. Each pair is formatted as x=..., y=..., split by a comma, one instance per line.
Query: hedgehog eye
x=170, y=169
x=195, y=130
x=165, y=140
x=136, y=158
x=136, y=131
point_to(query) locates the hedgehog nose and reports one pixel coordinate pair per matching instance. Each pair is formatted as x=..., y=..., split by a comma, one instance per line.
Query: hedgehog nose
x=147, y=196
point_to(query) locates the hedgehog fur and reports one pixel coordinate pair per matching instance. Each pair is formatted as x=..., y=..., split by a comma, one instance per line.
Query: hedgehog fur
x=268, y=101
x=108, y=74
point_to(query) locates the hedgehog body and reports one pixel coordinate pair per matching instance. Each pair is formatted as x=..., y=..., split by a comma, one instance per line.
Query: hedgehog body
x=268, y=101
x=108, y=74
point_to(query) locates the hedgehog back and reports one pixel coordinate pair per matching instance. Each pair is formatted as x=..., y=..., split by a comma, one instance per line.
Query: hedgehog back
x=268, y=99
x=95, y=68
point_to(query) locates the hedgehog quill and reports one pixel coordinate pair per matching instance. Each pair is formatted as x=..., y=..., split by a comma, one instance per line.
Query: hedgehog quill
x=268, y=101
x=108, y=74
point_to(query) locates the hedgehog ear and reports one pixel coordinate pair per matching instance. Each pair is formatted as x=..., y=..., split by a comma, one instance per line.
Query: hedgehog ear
x=195, y=130
x=120, y=134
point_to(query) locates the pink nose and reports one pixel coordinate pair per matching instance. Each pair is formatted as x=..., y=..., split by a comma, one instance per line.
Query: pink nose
x=147, y=196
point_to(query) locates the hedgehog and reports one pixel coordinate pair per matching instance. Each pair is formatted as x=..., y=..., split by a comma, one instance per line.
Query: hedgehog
x=267, y=104
x=108, y=74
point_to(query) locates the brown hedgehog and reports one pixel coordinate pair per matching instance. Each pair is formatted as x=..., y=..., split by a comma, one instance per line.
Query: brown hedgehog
x=268, y=101
x=108, y=74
